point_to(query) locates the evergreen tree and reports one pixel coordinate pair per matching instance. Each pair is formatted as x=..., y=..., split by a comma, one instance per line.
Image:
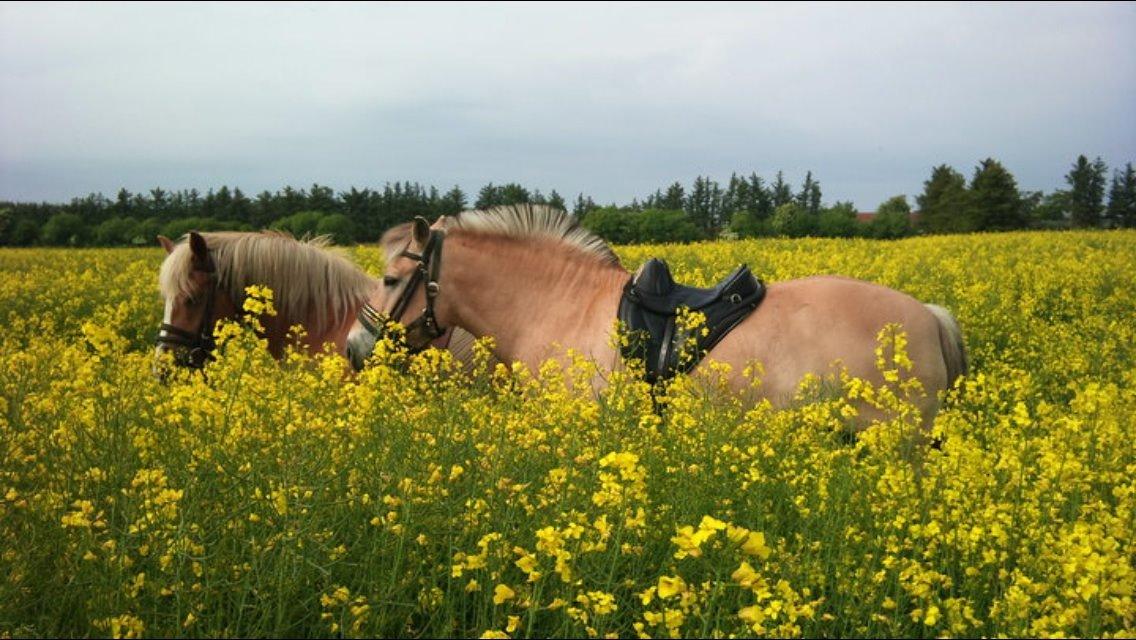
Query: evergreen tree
x=704, y=205
x=322, y=198
x=488, y=197
x=264, y=210
x=209, y=204
x=223, y=204
x=759, y=201
x=780, y=192
x=583, y=205
x=734, y=195
x=239, y=207
x=353, y=204
x=943, y=204
x=809, y=196
x=514, y=193
x=654, y=199
x=452, y=203
x=123, y=206
x=1122, y=198
x=1086, y=193
x=291, y=201
x=995, y=203
x=159, y=203
x=556, y=201
x=674, y=199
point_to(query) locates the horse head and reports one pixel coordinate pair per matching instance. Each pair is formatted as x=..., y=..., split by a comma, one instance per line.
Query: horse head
x=193, y=302
x=407, y=297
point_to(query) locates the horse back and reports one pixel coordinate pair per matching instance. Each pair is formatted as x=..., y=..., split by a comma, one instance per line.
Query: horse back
x=821, y=324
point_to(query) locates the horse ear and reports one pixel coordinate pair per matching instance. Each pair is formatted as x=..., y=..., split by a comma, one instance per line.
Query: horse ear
x=166, y=243
x=200, y=251
x=421, y=230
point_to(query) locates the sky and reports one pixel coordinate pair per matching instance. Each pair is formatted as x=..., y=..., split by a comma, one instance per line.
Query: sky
x=611, y=100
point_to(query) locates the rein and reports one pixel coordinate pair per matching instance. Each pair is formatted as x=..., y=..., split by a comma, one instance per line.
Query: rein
x=425, y=328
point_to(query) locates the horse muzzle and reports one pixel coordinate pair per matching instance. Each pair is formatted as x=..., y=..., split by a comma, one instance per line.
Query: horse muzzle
x=360, y=346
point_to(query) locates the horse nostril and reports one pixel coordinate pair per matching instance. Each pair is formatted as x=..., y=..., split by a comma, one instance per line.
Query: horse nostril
x=353, y=357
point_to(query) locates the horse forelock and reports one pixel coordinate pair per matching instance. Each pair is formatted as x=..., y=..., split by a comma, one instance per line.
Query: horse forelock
x=313, y=284
x=395, y=239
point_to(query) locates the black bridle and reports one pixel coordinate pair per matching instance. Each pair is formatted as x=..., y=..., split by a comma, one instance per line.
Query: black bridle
x=425, y=328
x=195, y=349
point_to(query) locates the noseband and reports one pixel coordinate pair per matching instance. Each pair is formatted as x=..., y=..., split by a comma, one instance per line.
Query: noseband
x=424, y=329
x=200, y=344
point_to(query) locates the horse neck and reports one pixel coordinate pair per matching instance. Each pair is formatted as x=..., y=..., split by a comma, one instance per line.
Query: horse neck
x=527, y=294
x=334, y=329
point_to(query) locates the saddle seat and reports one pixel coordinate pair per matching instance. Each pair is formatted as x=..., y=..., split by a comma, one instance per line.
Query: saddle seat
x=651, y=302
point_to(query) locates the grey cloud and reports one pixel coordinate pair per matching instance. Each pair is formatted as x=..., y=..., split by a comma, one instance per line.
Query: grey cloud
x=612, y=100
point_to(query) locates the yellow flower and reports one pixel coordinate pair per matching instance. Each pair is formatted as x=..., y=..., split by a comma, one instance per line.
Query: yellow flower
x=670, y=587
x=689, y=541
x=502, y=594
x=932, y=616
x=745, y=575
x=753, y=615
x=711, y=524
x=755, y=545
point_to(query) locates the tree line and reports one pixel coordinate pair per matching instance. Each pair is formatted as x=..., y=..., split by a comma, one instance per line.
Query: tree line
x=745, y=206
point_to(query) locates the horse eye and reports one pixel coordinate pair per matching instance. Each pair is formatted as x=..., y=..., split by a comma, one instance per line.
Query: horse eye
x=390, y=281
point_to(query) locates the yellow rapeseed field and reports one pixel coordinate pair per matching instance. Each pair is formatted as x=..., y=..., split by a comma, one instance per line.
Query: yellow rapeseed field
x=285, y=499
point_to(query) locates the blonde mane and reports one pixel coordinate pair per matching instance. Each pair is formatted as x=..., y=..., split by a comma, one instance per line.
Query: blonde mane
x=313, y=284
x=514, y=221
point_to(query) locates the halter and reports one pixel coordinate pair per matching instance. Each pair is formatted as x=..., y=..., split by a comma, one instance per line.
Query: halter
x=424, y=329
x=200, y=344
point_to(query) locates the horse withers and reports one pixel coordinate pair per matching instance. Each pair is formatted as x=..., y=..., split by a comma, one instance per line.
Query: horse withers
x=539, y=284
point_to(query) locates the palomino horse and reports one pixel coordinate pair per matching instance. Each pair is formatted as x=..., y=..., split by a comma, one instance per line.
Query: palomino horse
x=203, y=281
x=533, y=279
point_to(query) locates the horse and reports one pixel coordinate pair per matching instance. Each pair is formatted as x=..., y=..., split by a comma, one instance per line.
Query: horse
x=203, y=279
x=540, y=284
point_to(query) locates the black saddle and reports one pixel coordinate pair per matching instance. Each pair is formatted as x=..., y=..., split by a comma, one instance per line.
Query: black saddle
x=651, y=300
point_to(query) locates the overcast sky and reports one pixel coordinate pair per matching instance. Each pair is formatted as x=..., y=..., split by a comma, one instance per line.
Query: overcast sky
x=610, y=100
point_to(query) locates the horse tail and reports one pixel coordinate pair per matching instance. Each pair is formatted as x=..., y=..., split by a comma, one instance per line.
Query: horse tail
x=950, y=339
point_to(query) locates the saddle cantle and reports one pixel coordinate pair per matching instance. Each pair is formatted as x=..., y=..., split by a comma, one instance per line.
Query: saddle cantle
x=651, y=300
